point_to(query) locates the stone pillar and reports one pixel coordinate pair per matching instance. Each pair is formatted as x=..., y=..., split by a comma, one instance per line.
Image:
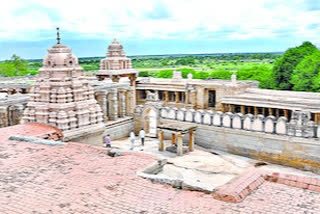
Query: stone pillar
x=179, y=145
x=277, y=113
x=3, y=116
x=263, y=111
x=270, y=111
x=166, y=94
x=133, y=86
x=102, y=101
x=191, y=141
x=113, y=104
x=223, y=108
x=177, y=96
x=156, y=95
x=173, y=138
x=130, y=102
x=243, y=110
x=255, y=111
x=187, y=97
x=316, y=118
x=249, y=109
x=161, y=143
x=230, y=108
x=122, y=104
x=286, y=113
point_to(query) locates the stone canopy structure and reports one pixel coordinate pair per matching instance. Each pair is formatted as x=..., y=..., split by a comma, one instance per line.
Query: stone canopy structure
x=116, y=64
x=62, y=96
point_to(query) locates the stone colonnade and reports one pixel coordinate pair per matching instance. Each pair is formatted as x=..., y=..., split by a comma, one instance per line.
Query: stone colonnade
x=115, y=102
x=184, y=97
x=257, y=110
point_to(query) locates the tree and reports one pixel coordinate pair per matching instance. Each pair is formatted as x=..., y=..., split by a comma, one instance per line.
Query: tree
x=306, y=75
x=285, y=66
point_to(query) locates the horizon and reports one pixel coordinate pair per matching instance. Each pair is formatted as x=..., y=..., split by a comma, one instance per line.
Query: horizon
x=158, y=27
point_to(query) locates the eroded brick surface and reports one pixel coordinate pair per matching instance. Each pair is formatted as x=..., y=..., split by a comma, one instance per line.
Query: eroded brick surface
x=81, y=179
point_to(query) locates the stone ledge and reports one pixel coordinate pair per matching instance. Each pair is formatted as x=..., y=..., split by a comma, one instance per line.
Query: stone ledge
x=238, y=189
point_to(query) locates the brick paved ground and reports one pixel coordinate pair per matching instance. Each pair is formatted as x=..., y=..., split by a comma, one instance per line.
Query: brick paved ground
x=81, y=179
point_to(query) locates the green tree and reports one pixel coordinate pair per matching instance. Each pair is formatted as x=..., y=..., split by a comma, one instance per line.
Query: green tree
x=261, y=73
x=306, y=75
x=285, y=66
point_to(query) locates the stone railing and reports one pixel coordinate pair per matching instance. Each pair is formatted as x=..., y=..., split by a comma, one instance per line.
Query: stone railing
x=299, y=126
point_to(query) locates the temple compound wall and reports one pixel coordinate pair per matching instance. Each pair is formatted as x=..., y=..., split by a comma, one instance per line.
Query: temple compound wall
x=294, y=143
x=11, y=108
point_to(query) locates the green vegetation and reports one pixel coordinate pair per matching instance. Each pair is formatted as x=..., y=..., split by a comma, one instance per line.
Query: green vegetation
x=284, y=67
x=16, y=67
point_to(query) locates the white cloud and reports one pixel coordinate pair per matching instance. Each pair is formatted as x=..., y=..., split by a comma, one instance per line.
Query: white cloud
x=149, y=19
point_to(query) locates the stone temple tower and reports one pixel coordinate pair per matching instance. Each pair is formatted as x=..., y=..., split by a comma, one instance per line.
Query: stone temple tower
x=117, y=65
x=62, y=97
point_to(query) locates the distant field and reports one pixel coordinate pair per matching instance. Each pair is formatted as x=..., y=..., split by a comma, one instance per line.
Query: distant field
x=249, y=66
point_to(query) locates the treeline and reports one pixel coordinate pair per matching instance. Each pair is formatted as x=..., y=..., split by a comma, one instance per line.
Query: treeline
x=261, y=73
x=298, y=69
x=16, y=67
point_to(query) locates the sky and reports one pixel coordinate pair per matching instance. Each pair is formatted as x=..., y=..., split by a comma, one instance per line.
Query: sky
x=151, y=27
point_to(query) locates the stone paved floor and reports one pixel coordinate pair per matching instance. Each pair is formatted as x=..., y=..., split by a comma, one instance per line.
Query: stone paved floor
x=79, y=179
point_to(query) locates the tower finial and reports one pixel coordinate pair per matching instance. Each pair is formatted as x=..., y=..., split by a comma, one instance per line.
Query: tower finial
x=58, y=36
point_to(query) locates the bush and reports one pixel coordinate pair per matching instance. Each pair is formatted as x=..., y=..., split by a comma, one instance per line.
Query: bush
x=221, y=74
x=165, y=74
x=201, y=75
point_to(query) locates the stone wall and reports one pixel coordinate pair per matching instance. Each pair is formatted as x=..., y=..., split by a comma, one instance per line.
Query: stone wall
x=11, y=109
x=256, y=137
x=119, y=129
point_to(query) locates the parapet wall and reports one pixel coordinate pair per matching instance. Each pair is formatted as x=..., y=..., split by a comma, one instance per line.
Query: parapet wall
x=299, y=126
x=261, y=138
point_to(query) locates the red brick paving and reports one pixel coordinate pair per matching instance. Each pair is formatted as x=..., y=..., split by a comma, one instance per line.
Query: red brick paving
x=81, y=179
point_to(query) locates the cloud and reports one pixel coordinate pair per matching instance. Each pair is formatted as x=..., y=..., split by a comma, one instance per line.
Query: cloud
x=33, y=20
x=159, y=11
x=312, y=5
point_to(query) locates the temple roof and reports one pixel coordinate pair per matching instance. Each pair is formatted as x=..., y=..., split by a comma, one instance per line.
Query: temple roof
x=115, y=49
x=60, y=56
x=290, y=100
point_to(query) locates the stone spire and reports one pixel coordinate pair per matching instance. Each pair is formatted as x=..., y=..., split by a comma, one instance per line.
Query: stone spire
x=116, y=58
x=58, y=36
x=61, y=96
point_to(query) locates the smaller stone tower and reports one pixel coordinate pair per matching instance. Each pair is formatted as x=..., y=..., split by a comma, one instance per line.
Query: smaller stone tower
x=62, y=97
x=116, y=64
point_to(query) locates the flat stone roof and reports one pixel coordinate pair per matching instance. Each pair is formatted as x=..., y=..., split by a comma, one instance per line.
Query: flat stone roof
x=290, y=100
x=177, y=127
x=116, y=72
x=153, y=83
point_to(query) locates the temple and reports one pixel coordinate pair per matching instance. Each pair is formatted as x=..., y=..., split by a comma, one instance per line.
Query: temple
x=229, y=115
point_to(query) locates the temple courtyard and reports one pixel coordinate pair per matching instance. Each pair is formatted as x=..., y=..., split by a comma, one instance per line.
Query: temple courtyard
x=78, y=178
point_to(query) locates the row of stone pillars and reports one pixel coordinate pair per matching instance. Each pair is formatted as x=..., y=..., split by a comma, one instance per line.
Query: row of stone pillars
x=177, y=138
x=248, y=110
x=116, y=103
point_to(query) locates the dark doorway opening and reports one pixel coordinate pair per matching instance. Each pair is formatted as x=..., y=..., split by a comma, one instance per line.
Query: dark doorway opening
x=212, y=98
